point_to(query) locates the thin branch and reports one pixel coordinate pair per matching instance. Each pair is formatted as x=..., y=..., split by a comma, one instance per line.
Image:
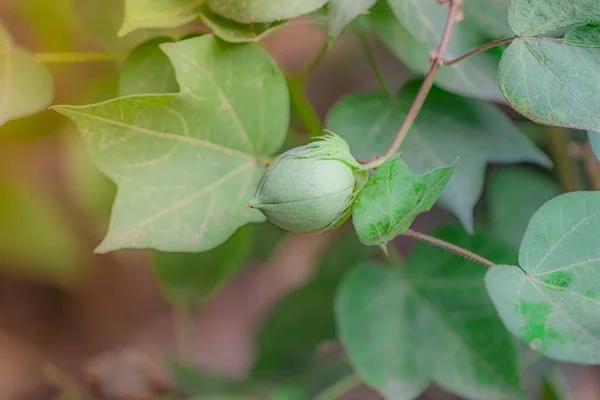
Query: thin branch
x=482, y=48
x=454, y=15
x=372, y=59
x=48, y=58
x=303, y=107
x=340, y=387
x=448, y=246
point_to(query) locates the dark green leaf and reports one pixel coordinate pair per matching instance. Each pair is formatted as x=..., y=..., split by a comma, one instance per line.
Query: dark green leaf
x=262, y=11
x=186, y=165
x=393, y=197
x=432, y=320
x=235, y=32
x=551, y=301
x=343, y=12
x=515, y=194
x=413, y=28
x=147, y=69
x=304, y=318
x=489, y=16
x=448, y=127
x=158, y=14
x=26, y=85
x=534, y=17
x=188, y=278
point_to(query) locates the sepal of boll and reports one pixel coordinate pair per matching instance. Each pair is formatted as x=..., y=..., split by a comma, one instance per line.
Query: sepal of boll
x=311, y=188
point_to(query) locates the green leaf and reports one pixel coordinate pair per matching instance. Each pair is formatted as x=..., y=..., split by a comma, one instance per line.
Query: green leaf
x=343, y=12
x=594, y=139
x=263, y=11
x=147, y=69
x=35, y=240
x=551, y=301
x=540, y=81
x=535, y=17
x=304, y=318
x=158, y=14
x=393, y=197
x=413, y=28
x=26, y=85
x=430, y=321
x=448, y=127
x=514, y=195
x=235, y=32
x=188, y=278
x=186, y=165
x=489, y=16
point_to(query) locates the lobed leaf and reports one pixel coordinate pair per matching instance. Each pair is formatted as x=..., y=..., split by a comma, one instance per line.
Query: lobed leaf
x=551, y=301
x=187, y=164
x=413, y=28
x=393, y=197
x=342, y=12
x=448, y=127
x=147, y=69
x=26, y=85
x=263, y=11
x=158, y=14
x=430, y=321
x=235, y=32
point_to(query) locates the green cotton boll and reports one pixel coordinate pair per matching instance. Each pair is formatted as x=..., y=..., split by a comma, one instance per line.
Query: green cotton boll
x=310, y=188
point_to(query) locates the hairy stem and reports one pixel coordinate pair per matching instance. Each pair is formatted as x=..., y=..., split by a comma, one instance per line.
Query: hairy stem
x=49, y=58
x=482, y=48
x=372, y=59
x=303, y=107
x=454, y=14
x=340, y=387
x=448, y=246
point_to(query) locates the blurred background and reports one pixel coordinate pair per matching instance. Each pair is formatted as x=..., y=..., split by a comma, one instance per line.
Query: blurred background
x=76, y=325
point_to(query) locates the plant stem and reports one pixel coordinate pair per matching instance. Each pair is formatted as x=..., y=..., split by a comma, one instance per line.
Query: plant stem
x=448, y=246
x=303, y=107
x=375, y=163
x=479, y=49
x=566, y=173
x=48, y=58
x=340, y=387
x=184, y=332
x=309, y=68
x=454, y=14
x=370, y=55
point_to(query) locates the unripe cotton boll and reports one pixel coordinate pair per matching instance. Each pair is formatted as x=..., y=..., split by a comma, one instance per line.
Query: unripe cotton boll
x=310, y=188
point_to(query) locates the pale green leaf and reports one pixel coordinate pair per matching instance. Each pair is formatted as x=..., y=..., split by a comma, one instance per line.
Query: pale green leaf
x=26, y=86
x=147, y=69
x=594, y=139
x=262, y=11
x=430, y=321
x=35, y=240
x=343, y=12
x=553, y=83
x=416, y=31
x=489, y=16
x=551, y=301
x=158, y=14
x=188, y=278
x=447, y=128
x=235, y=32
x=393, y=197
x=534, y=17
x=513, y=195
x=186, y=165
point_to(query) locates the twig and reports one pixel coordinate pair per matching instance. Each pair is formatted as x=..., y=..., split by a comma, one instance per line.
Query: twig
x=479, y=49
x=454, y=15
x=590, y=163
x=564, y=168
x=48, y=58
x=370, y=55
x=448, y=246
